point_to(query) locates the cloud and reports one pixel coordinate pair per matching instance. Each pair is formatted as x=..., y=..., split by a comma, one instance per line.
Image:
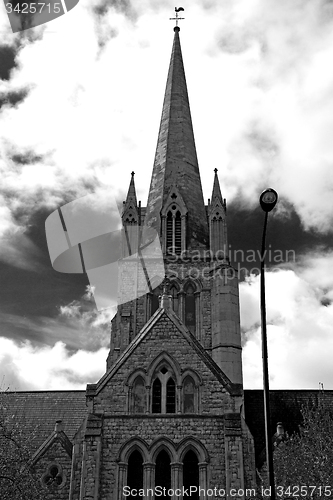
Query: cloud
x=7, y=61
x=12, y=98
x=25, y=367
x=65, y=352
x=300, y=331
x=79, y=325
x=270, y=85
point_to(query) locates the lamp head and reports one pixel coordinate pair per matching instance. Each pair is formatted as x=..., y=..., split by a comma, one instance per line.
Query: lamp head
x=268, y=199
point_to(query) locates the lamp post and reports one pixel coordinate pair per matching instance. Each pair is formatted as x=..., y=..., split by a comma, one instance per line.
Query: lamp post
x=268, y=200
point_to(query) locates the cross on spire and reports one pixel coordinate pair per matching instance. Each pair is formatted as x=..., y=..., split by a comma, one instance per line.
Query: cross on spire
x=177, y=18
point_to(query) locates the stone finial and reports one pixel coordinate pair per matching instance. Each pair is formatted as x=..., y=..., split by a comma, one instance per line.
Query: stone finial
x=58, y=426
x=165, y=299
x=279, y=429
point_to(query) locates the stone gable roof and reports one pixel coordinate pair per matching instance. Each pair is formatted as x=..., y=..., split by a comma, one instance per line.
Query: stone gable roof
x=57, y=436
x=233, y=389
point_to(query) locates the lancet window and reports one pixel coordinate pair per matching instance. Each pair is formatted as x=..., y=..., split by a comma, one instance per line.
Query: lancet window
x=135, y=472
x=191, y=473
x=190, y=309
x=163, y=473
x=139, y=395
x=174, y=231
x=161, y=465
x=189, y=395
x=163, y=389
x=175, y=300
x=164, y=392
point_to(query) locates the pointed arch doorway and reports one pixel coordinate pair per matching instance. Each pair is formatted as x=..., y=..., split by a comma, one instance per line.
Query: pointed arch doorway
x=163, y=473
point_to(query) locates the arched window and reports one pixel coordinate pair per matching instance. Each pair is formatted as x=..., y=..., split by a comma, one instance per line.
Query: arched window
x=157, y=396
x=139, y=395
x=164, y=392
x=178, y=233
x=155, y=301
x=170, y=396
x=175, y=301
x=163, y=472
x=174, y=231
x=190, y=313
x=191, y=473
x=135, y=471
x=169, y=233
x=189, y=395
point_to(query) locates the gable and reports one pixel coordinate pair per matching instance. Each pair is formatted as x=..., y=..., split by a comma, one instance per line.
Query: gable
x=165, y=338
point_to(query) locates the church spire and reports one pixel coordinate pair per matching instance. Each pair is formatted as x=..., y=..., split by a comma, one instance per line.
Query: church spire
x=216, y=194
x=176, y=172
x=131, y=195
x=131, y=209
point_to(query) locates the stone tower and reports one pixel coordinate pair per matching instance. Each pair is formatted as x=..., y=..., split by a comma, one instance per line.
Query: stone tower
x=168, y=412
x=193, y=239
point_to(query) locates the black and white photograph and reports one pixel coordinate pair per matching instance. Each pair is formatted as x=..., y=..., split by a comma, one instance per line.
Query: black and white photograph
x=166, y=249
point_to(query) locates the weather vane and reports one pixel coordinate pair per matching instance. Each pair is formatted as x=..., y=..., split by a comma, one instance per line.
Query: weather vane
x=177, y=18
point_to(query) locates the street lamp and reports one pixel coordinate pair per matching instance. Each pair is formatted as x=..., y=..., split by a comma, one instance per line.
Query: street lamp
x=268, y=200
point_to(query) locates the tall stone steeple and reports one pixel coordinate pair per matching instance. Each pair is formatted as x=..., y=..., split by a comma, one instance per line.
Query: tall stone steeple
x=176, y=177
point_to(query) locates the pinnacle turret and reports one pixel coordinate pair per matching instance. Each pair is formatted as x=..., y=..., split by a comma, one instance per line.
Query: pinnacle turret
x=130, y=206
x=131, y=194
x=216, y=194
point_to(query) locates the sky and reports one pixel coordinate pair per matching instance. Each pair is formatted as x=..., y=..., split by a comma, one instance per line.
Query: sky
x=80, y=105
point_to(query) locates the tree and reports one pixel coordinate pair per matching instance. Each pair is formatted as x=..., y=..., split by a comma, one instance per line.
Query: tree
x=17, y=480
x=306, y=458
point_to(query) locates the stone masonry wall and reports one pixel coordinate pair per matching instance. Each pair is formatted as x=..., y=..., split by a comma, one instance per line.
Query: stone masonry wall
x=164, y=336
x=218, y=313
x=58, y=456
x=118, y=432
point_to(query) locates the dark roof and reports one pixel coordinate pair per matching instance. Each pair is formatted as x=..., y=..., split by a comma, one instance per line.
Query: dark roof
x=285, y=407
x=39, y=410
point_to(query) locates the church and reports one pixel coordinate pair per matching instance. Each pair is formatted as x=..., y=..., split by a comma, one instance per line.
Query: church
x=169, y=417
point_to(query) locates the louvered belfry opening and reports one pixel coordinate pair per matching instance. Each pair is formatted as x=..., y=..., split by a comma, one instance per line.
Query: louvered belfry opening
x=169, y=235
x=174, y=232
x=178, y=233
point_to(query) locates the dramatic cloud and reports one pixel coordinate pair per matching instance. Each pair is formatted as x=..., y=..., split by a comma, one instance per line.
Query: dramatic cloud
x=81, y=100
x=24, y=367
x=300, y=331
x=13, y=98
x=64, y=352
x=278, y=54
x=79, y=325
x=7, y=61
